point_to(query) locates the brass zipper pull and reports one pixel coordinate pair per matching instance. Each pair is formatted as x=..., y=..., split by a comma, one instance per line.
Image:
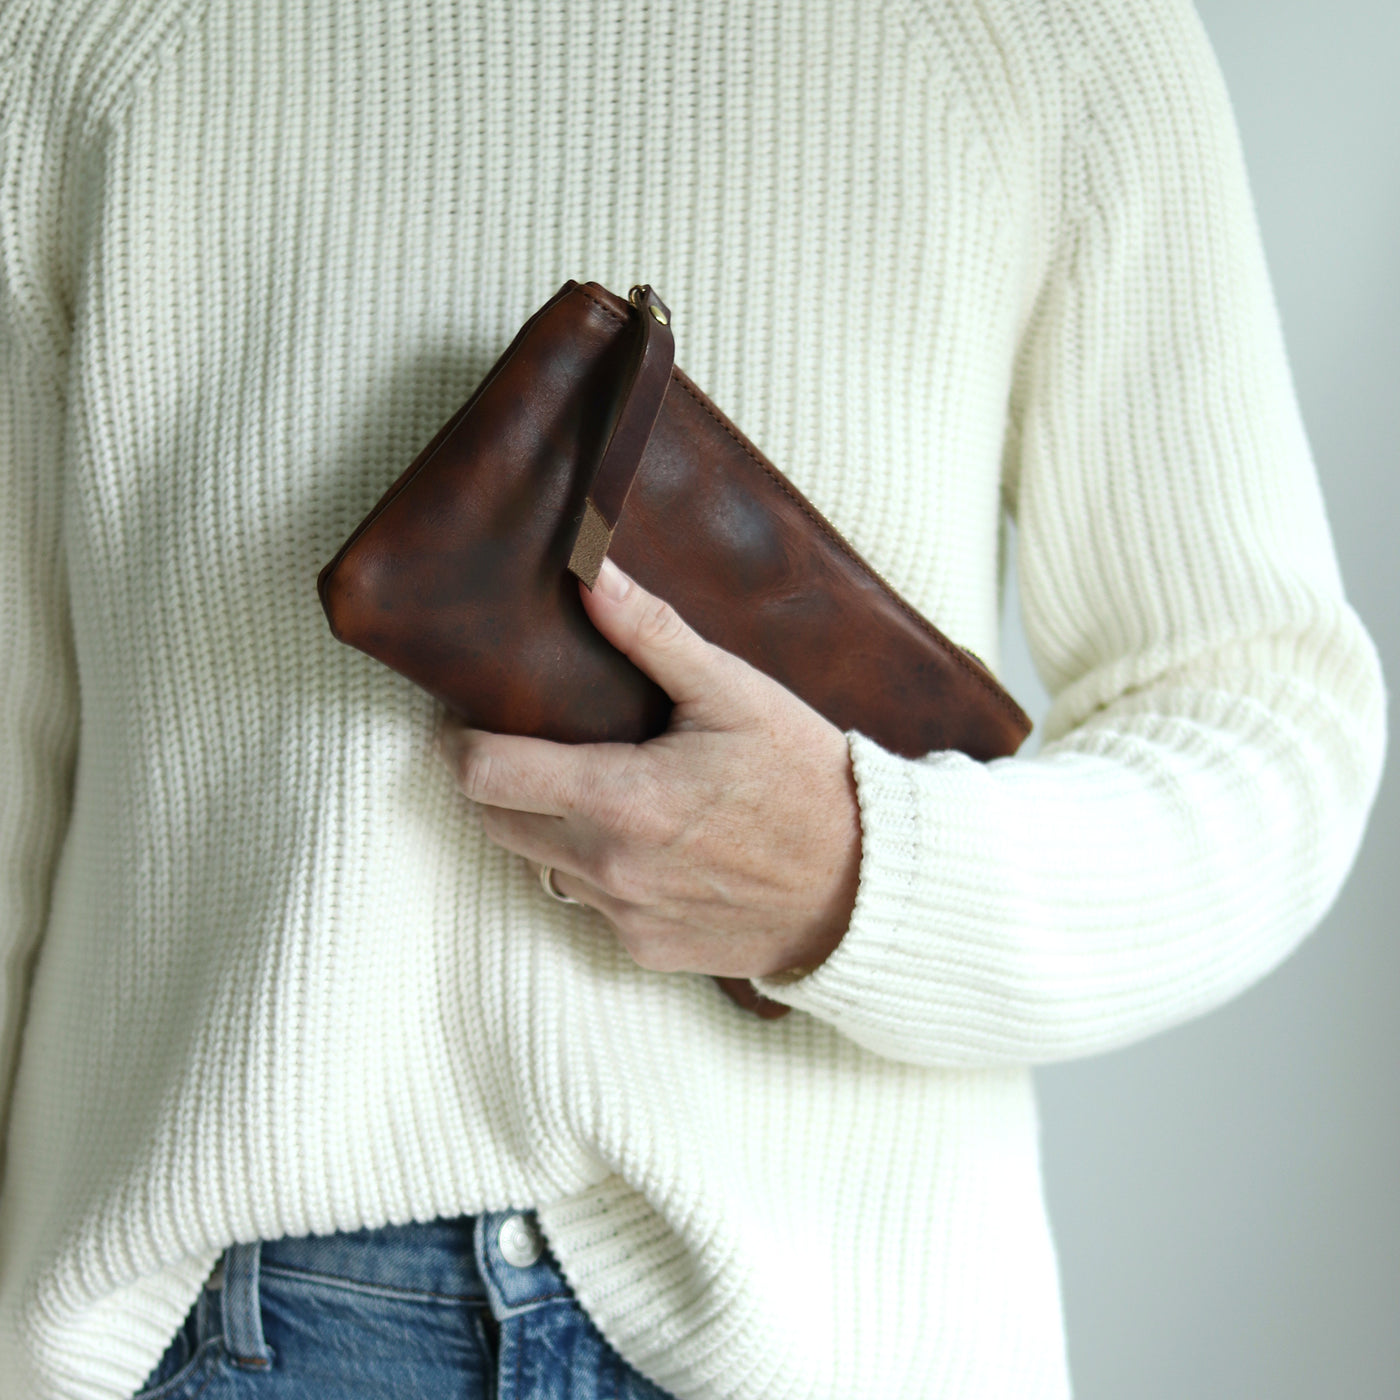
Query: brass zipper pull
x=640, y=294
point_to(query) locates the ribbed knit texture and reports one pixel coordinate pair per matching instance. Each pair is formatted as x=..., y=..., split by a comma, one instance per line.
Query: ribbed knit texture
x=940, y=261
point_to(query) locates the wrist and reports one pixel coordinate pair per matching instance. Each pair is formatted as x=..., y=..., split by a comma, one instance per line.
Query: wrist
x=821, y=939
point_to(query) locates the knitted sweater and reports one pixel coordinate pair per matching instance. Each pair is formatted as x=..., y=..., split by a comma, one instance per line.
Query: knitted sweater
x=943, y=260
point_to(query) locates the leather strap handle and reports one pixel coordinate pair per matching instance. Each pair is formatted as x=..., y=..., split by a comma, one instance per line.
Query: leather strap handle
x=638, y=409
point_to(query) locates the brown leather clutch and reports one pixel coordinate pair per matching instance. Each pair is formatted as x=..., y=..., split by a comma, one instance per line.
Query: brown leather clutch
x=583, y=440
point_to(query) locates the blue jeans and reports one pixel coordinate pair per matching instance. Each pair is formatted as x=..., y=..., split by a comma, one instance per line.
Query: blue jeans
x=471, y=1309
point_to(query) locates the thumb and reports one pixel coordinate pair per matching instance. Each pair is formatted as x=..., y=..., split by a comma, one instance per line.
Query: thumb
x=657, y=640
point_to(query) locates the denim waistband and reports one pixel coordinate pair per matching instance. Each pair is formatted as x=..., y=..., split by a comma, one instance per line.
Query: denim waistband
x=434, y=1257
x=499, y=1258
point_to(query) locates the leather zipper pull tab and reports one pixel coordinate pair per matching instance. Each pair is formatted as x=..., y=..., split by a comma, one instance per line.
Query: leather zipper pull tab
x=641, y=396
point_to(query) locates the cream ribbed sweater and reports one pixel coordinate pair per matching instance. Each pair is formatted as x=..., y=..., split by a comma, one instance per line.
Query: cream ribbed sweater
x=941, y=259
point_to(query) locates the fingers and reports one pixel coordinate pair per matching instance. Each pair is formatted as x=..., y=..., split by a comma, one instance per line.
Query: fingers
x=634, y=927
x=654, y=637
x=543, y=839
x=525, y=775
x=653, y=939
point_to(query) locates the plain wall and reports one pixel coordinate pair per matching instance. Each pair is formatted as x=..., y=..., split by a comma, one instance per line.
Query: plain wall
x=1226, y=1196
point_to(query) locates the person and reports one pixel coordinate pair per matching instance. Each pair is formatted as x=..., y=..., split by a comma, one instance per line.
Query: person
x=312, y=1088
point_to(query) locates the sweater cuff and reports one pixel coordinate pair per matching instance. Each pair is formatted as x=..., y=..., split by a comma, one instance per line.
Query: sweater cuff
x=872, y=986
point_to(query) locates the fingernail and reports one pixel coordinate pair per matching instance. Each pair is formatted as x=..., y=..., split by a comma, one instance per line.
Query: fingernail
x=612, y=582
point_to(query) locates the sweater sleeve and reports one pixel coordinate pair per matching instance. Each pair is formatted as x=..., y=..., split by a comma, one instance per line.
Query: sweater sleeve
x=38, y=675
x=38, y=689
x=1216, y=732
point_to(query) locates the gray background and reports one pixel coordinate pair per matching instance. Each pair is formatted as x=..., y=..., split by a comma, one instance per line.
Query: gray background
x=1226, y=1196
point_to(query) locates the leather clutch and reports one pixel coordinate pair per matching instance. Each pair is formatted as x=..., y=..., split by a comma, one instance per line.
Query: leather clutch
x=584, y=439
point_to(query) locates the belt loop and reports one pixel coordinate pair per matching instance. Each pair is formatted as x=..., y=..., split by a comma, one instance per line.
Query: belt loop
x=243, y=1334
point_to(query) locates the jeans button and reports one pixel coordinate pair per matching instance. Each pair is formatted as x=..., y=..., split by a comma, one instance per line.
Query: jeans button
x=520, y=1241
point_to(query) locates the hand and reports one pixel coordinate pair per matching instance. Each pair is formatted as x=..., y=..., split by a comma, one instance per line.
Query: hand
x=729, y=845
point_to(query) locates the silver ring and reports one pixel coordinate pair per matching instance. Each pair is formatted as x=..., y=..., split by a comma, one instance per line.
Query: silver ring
x=547, y=883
